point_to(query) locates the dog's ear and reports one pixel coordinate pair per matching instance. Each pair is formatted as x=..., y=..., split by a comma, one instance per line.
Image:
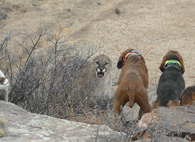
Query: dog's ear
x=182, y=68
x=120, y=62
x=142, y=58
x=155, y=104
x=181, y=62
x=163, y=63
x=173, y=103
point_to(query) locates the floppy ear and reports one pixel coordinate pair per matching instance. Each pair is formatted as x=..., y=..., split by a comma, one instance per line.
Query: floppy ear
x=163, y=63
x=120, y=62
x=142, y=58
x=182, y=68
x=182, y=64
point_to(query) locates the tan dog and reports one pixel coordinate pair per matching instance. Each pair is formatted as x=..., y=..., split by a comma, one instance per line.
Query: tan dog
x=132, y=82
x=188, y=96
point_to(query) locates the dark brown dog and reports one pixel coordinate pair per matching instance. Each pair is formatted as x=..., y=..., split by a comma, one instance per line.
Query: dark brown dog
x=188, y=96
x=132, y=82
x=171, y=83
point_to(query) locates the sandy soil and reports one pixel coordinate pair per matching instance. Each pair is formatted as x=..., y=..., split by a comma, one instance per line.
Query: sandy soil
x=169, y=25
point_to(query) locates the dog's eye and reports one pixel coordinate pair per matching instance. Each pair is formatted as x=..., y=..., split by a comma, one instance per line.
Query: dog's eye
x=106, y=63
x=97, y=62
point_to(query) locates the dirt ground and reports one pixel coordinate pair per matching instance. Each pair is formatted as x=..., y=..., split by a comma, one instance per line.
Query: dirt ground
x=166, y=25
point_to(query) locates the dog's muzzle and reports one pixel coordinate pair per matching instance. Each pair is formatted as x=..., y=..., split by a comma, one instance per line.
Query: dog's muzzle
x=100, y=72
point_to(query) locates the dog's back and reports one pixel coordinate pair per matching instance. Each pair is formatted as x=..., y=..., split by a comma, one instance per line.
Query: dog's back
x=134, y=70
x=170, y=86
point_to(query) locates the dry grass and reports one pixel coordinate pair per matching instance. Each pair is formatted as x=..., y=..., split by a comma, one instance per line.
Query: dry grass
x=53, y=82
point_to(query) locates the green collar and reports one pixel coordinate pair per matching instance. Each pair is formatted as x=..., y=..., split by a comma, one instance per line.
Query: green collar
x=168, y=62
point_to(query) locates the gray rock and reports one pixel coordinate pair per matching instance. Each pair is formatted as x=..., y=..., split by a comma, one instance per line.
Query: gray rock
x=176, y=123
x=3, y=16
x=23, y=126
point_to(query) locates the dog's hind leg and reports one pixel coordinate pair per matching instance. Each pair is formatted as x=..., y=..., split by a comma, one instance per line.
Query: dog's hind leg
x=121, y=98
x=141, y=99
x=155, y=104
x=116, y=107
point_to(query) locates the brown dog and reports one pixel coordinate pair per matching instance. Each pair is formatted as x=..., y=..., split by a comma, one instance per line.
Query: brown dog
x=132, y=82
x=171, y=83
x=188, y=96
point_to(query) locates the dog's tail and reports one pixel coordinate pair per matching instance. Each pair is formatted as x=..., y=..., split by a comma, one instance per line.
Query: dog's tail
x=131, y=96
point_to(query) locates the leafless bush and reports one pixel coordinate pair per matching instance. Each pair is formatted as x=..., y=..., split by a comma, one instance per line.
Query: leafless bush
x=53, y=80
x=53, y=83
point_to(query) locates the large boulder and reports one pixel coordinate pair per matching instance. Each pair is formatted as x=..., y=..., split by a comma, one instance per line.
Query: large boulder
x=169, y=124
x=23, y=126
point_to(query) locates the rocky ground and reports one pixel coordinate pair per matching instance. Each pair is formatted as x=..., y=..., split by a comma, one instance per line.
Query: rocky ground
x=173, y=125
x=21, y=126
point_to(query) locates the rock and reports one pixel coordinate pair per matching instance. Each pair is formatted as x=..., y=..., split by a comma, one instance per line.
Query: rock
x=22, y=125
x=171, y=123
x=117, y=11
x=3, y=16
x=165, y=139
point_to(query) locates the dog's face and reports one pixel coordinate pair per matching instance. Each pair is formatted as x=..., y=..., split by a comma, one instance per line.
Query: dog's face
x=172, y=55
x=121, y=58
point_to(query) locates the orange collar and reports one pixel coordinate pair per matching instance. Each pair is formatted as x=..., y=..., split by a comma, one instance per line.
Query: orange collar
x=130, y=54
